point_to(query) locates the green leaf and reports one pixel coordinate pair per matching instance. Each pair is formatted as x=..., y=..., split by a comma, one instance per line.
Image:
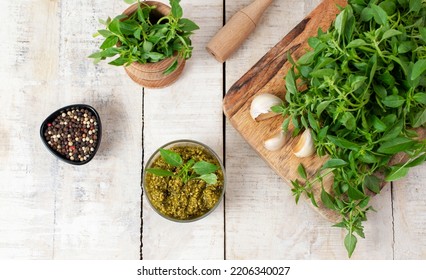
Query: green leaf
x=368, y=157
x=350, y=243
x=390, y=33
x=321, y=107
x=340, y=21
x=109, y=42
x=172, y=158
x=366, y=14
x=420, y=97
x=396, y=172
x=301, y=171
x=119, y=61
x=356, y=43
x=203, y=167
x=334, y=163
x=343, y=143
x=130, y=1
x=187, y=25
x=210, y=179
x=105, y=33
x=372, y=183
x=417, y=161
x=355, y=194
x=313, y=123
x=290, y=82
x=419, y=118
x=147, y=46
x=159, y=172
x=114, y=26
x=378, y=124
x=327, y=200
x=415, y=6
x=307, y=58
x=396, y=145
x=177, y=11
x=380, y=16
x=171, y=68
x=348, y=120
x=423, y=33
x=418, y=69
x=321, y=73
x=405, y=47
x=393, y=101
x=393, y=131
x=285, y=124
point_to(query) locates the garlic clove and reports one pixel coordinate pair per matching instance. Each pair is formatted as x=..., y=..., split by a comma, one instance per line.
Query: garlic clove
x=275, y=143
x=260, y=108
x=305, y=147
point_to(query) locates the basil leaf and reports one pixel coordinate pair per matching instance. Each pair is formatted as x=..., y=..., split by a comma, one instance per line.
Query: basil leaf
x=420, y=97
x=210, y=179
x=355, y=194
x=203, y=167
x=334, y=163
x=343, y=143
x=176, y=8
x=350, y=243
x=327, y=200
x=393, y=101
x=159, y=172
x=379, y=15
x=172, y=158
x=109, y=42
x=357, y=43
x=390, y=33
x=396, y=172
x=187, y=25
x=372, y=183
x=301, y=171
x=419, y=118
x=396, y=145
x=418, y=69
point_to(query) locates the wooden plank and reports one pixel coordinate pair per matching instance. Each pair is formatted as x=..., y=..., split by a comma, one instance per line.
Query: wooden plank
x=27, y=189
x=409, y=207
x=98, y=205
x=189, y=109
x=56, y=210
x=262, y=220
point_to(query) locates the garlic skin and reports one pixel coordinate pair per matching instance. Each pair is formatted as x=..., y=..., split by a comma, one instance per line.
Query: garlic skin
x=305, y=147
x=260, y=108
x=275, y=143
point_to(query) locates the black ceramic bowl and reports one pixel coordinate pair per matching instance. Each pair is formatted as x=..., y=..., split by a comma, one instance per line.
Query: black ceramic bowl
x=49, y=120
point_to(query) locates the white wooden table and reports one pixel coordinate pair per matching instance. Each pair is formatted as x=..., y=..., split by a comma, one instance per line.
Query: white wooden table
x=53, y=210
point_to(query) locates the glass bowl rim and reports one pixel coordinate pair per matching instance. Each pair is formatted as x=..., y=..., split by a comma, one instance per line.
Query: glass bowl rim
x=174, y=143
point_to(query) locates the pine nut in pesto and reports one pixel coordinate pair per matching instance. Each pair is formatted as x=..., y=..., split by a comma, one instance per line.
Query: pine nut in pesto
x=184, y=181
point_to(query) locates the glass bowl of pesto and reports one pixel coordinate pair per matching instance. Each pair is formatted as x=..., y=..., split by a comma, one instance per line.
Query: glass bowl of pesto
x=184, y=180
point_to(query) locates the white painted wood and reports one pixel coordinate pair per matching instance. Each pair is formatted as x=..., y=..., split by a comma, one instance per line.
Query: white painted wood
x=409, y=206
x=190, y=109
x=50, y=209
x=262, y=220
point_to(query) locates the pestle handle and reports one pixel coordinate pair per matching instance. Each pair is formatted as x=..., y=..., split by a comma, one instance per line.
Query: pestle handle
x=236, y=30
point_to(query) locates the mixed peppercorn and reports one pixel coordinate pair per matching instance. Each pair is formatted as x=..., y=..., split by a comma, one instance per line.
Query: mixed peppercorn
x=73, y=134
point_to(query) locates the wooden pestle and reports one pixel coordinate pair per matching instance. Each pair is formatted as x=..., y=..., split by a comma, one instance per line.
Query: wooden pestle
x=236, y=30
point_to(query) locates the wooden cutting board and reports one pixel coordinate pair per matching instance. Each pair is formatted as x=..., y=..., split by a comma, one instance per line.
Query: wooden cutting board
x=267, y=76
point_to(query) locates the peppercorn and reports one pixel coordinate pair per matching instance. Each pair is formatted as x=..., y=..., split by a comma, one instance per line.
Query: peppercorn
x=73, y=134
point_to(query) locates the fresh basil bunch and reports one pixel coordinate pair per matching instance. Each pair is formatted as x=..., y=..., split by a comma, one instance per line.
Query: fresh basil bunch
x=142, y=38
x=362, y=92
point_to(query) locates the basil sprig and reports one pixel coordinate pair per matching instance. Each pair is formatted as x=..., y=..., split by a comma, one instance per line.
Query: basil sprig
x=143, y=38
x=362, y=92
x=186, y=171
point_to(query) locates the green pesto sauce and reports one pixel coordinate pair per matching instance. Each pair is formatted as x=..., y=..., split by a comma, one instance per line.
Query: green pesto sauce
x=171, y=197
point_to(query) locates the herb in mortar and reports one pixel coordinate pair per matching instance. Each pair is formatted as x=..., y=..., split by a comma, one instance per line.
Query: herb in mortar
x=143, y=38
x=362, y=92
